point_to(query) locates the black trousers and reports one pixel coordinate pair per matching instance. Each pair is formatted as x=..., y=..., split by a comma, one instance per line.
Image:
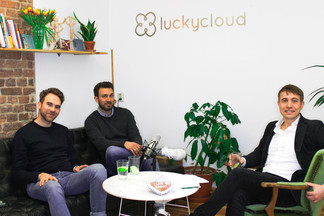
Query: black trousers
x=240, y=188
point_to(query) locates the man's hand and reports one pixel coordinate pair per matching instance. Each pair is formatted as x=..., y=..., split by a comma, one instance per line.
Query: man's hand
x=317, y=194
x=44, y=177
x=234, y=159
x=78, y=168
x=133, y=147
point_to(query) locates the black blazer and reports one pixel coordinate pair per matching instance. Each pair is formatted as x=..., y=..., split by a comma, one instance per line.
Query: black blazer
x=308, y=140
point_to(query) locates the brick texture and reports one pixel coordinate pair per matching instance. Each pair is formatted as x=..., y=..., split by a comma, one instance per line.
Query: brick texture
x=17, y=77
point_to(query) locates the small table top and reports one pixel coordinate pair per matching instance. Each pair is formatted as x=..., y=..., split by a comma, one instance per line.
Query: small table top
x=135, y=186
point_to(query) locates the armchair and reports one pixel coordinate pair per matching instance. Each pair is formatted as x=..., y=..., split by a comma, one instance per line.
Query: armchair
x=314, y=174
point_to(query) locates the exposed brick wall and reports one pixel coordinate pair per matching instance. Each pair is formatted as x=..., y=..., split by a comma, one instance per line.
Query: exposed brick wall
x=17, y=77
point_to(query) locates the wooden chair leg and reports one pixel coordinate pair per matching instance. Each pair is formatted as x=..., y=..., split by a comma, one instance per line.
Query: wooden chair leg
x=270, y=207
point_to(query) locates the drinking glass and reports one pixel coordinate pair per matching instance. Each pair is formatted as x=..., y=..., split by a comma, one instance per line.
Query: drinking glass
x=122, y=169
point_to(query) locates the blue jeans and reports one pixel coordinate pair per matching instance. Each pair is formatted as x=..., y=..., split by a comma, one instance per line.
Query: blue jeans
x=114, y=153
x=69, y=183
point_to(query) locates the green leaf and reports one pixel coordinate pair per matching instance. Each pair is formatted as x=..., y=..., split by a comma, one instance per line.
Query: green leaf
x=199, y=119
x=186, y=133
x=213, y=156
x=218, y=177
x=316, y=92
x=227, y=145
x=204, y=146
x=77, y=18
x=235, y=119
x=319, y=101
x=195, y=106
x=201, y=160
x=189, y=116
x=214, y=131
x=219, y=136
x=205, y=105
x=225, y=111
x=194, y=150
x=227, y=132
x=235, y=146
x=313, y=66
x=194, y=131
x=217, y=110
x=221, y=160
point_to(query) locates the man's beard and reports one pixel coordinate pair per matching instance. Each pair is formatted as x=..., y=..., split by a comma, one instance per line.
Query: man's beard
x=104, y=108
x=43, y=114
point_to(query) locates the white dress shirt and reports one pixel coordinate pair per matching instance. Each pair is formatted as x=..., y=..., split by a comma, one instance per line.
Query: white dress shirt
x=282, y=160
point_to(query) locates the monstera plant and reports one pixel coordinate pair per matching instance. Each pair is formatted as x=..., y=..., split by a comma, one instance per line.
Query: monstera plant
x=318, y=91
x=210, y=139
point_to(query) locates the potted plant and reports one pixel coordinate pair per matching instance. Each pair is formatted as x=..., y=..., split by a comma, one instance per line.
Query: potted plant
x=210, y=138
x=320, y=100
x=88, y=33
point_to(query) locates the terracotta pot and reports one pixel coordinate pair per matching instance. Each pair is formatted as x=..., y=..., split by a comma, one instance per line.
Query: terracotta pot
x=204, y=192
x=89, y=46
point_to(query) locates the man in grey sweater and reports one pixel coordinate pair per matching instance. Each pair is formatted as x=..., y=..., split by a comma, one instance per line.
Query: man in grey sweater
x=113, y=130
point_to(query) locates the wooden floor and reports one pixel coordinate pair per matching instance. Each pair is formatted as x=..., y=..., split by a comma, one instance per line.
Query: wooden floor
x=138, y=209
x=177, y=211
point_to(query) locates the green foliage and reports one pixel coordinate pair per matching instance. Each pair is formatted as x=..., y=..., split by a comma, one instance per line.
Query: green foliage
x=89, y=31
x=210, y=136
x=38, y=19
x=320, y=100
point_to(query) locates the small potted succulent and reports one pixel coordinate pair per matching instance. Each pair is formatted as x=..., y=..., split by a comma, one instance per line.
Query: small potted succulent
x=88, y=33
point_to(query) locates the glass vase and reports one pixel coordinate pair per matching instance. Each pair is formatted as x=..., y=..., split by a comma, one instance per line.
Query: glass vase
x=38, y=37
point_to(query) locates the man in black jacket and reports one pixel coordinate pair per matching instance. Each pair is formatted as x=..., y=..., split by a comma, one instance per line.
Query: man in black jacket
x=283, y=154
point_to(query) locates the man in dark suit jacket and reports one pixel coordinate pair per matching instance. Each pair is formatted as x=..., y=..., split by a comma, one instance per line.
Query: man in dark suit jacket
x=283, y=154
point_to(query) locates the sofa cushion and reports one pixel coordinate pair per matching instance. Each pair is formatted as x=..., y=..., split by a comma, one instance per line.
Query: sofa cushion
x=23, y=206
x=86, y=152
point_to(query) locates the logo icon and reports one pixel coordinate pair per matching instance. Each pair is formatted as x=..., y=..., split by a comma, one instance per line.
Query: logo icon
x=145, y=24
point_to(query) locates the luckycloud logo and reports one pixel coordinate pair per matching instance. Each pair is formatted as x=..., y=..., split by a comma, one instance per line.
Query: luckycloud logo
x=146, y=24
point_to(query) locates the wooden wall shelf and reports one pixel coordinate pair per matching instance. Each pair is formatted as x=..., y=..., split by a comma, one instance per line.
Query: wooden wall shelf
x=59, y=52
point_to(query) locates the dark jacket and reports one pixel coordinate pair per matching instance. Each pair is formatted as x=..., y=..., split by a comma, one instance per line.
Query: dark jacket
x=308, y=140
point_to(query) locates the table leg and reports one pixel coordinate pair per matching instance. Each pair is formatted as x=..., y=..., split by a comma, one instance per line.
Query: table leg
x=120, y=206
x=188, y=205
x=181, y=206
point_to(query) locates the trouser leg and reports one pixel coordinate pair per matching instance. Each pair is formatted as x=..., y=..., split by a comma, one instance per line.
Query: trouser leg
x=114, y=153
x=90, y=179
x=242, y=179
x=148, y=165
x=236, y=205
x=51, y=192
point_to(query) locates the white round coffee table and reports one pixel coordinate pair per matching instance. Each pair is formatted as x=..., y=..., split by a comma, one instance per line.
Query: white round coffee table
x=135, y=187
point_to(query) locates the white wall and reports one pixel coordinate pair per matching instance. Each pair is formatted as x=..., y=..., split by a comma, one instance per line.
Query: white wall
x=75, y=75
x=161, y=76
